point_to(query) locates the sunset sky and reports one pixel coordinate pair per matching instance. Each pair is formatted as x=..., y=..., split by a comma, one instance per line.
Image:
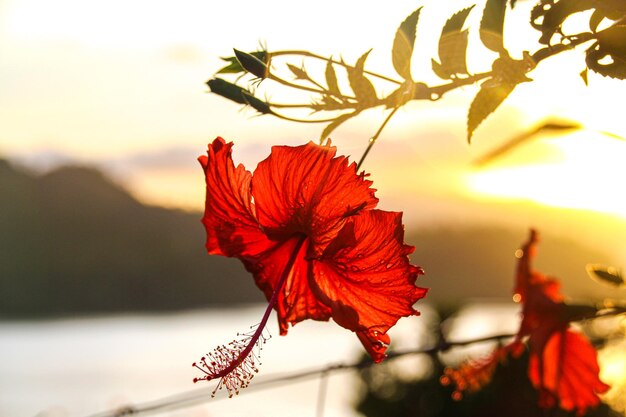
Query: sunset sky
x=120, y=84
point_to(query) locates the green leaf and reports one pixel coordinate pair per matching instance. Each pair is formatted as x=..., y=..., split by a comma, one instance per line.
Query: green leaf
x=492, y=25
x=487, y=100
x=335, y=124
x=331, y=79
x=605, y=274
x=403, y=45
x=611, y=46
x=362, y=87
x=452, y=47
x=300, y=73
x=252, y=64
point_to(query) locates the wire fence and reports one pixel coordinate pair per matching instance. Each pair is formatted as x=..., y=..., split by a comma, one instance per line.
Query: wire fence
x=200, y=396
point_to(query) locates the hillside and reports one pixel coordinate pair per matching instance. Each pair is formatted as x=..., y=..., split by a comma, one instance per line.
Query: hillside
x=74, y=242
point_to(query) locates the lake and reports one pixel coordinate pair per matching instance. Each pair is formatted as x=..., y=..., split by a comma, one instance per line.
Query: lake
x=82, y=366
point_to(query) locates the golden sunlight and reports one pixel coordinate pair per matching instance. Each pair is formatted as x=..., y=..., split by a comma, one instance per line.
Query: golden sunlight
x=613, y=372
x=581, y=170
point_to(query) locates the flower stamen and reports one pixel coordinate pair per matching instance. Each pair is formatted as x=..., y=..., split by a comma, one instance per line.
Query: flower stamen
x=236, y=363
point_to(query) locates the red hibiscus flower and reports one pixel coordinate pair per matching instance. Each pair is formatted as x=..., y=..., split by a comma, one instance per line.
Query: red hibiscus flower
x=563, y=365
x=305, y=226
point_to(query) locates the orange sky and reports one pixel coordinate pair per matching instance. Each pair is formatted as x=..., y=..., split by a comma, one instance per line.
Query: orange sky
x=121, y=84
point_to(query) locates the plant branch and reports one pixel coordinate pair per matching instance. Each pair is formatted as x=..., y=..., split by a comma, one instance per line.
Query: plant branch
x=292, y=119
x=296, y=86
x=375, y=137
x=343, y=64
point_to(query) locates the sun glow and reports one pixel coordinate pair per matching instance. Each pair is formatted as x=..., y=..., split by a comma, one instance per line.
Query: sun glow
x=583, y=170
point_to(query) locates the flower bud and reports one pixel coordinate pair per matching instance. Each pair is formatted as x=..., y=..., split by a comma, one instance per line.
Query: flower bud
x=238, y=94
x=252, y=64
x=234, y=67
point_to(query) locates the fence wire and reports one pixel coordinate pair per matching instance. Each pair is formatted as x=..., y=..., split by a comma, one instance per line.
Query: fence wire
x=199, y=396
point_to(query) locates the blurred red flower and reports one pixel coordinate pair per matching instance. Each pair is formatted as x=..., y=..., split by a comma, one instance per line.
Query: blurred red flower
x=563, y=365
x=305, y=226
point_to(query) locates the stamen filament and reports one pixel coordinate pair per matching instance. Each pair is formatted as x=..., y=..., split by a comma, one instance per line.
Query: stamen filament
x=234, y=364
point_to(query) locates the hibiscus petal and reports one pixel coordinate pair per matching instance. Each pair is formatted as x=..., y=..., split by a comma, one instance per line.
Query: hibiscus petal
x=375, y=343
x=567, y=369
x=296, y=301
x=231, y=227
x=306, y=189
x=528, y=280
x=366, y=279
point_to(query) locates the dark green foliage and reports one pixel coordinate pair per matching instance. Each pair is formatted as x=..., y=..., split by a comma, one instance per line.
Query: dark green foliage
x=73, y=242
x=452, y=47
x=403, y=44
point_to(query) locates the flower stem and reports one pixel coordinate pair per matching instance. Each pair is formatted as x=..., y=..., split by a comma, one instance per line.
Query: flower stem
x=375, y=137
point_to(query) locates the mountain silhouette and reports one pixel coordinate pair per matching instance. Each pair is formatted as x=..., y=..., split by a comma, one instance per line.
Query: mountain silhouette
x=74, y=242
